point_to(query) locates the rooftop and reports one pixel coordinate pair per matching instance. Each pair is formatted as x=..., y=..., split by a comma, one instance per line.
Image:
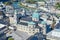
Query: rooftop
x=22, y=23
x=35, y=15
x=31, y=22
x=43, y=22
x=2, y=25
x=54, y=34
x=26, y=18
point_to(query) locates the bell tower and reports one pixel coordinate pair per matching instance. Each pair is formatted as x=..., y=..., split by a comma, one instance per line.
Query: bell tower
x=13, y=20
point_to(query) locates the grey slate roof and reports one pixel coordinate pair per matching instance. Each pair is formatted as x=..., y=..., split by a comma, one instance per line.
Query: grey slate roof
x=26, y=18
x=22, y=23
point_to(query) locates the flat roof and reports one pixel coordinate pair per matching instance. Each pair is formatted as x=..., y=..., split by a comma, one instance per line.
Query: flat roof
x=11, y=27
x=2, y=25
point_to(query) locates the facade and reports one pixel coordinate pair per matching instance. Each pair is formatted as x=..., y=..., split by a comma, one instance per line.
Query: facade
x=29, y=27
x=13, y=20
x=30, y=31
x=43, y=26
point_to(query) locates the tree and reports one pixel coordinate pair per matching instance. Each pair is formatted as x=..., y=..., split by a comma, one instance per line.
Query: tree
x=10, y=38
x=7, y=3
x=57, y=5
x=31, y=1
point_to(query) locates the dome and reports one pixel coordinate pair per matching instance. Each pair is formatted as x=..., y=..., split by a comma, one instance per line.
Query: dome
x=35, y=15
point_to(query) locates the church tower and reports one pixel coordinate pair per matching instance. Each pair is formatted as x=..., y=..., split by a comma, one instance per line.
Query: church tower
x=15, y=17
x=13, y=20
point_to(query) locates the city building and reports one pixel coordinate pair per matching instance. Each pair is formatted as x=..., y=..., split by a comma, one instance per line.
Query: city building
x=13, y=19
x=41, y=4
x=1, y=6
x=37, y=20
x=9, y=10
x=30, y=24
x=22, y=12
x=26, y=23
x=1, y=15
x=3, y=31
x=35, y=16
x=54, y=35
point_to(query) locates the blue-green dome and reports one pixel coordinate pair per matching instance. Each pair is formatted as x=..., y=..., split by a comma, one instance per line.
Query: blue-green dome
x=31, y=23
x=43, y=22
x=35, y=15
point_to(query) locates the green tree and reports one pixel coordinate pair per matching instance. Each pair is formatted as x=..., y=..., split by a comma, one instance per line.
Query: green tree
x=10, y=38
x=57, y=5
x=7, y=3
x=31, y=1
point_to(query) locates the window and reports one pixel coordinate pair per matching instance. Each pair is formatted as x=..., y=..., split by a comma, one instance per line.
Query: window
x=33, y=32
x=29, y=29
